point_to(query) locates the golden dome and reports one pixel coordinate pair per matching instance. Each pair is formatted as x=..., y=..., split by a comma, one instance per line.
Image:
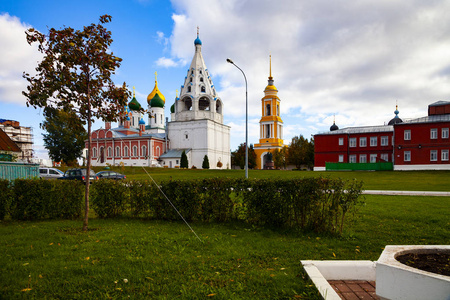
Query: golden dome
x=154, y=92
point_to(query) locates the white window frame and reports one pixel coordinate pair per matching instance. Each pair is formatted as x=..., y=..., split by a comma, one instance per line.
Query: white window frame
x=117, y=153
x=433, y=155
x=444, y=133
x=362, y=158
x=341, y=158
x=373, y=141
x=135, y=151
x=144, y=151
x=407, y=156
x=109, y=151
x=341, y=141
x=384, y=141
x=363, y=142
x=125, y=152
x=444, y=155
x=373, y=158
x=433, y=133
x=407, y=135
x=384, y=157
x=352, y=142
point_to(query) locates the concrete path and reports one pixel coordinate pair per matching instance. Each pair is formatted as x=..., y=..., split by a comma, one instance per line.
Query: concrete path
x=406, y=193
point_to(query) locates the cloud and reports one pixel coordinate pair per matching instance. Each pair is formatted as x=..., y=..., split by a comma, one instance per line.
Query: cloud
x=16, y=57
x=354, y=60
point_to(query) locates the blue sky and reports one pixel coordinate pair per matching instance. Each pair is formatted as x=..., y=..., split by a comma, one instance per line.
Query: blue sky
x=354, y=60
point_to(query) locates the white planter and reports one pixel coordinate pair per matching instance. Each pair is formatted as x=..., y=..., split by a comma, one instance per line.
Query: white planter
x=395, y=280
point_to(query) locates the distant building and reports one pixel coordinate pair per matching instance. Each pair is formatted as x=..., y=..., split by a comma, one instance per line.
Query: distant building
x=22, y=136
x=413, y=144
x=271, y=126
x=8, y=149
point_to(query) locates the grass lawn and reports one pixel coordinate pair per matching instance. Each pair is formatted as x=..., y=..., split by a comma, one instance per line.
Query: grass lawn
x=380, y=180
x=147, y=259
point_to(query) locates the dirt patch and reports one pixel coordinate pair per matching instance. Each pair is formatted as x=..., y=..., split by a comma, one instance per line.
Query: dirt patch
x=438, y=263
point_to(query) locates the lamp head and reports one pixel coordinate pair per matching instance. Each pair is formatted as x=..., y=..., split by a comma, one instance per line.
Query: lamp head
x=230, y=61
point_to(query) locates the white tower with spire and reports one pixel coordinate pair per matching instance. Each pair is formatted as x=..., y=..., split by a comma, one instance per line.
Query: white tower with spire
x=197, y=118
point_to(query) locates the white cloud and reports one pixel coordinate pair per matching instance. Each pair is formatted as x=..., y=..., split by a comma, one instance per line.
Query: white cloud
x=16, y=57
x=354, y=60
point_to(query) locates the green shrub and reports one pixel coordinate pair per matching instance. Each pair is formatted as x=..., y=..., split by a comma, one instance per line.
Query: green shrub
x=109, y=198
x=5, y=197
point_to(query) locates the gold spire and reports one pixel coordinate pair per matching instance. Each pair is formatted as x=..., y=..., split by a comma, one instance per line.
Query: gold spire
x=134, y=91
x=176, y=93
x=156, y=75
x=270, y=66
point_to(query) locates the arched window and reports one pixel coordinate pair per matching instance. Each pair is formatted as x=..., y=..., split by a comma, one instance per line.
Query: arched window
x=158, y=151
x=117, y=154
x=187, y=103
x=125, y=152
x=190, y=79
x=135, y=152
x=268, y=110
x=218, y=107
x=94, y=152
x=278, y=110
x=203, y=89
x=203, y=103
x=201, y=79
x=144, y=151
x=109, y=152
x=189, y=89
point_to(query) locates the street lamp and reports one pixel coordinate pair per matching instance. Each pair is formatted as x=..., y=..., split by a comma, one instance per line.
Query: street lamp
x=246, y=118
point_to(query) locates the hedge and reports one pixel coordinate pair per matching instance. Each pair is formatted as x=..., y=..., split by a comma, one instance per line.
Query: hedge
x=320, y=204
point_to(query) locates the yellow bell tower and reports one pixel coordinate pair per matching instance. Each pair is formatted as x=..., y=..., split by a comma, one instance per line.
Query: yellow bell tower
x=271, y=125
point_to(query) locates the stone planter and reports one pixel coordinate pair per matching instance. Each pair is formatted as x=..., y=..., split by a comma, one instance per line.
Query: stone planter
x=395, y=280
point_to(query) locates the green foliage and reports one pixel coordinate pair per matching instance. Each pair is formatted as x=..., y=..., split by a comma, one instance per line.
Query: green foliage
x=45, y=199
x=65, y=135
x=5, y=197
x=280, y=158
x=109, y=198
x=205, y=164
x=301, y=152
x=184, y=160
x=238, y=157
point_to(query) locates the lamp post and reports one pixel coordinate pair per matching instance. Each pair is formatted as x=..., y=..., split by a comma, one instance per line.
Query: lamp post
x=246, y=118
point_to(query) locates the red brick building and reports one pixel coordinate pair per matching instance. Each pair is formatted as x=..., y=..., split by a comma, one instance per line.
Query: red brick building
x=413, y=144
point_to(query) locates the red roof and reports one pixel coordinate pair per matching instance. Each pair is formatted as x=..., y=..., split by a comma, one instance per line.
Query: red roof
x=6, y=144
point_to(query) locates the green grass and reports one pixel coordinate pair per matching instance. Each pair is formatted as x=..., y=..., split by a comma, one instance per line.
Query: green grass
x=380, y=180
x=55, y=259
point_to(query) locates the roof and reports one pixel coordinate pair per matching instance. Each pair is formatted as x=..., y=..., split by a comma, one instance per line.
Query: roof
x=174, y=153
x=6, y=144
x=439, y=103
x=429, y=119
x=363, y=129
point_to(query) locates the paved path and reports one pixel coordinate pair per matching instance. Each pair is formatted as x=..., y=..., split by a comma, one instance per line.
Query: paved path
x=406, y=193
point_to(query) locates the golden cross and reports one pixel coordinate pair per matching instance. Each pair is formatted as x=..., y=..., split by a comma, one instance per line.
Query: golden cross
x=134, y=91
x=156, y=73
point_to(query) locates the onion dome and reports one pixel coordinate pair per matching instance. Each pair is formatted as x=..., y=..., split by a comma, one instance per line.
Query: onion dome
x=334, y=127
x=396, y=119
x=156, y=101
x=172, y=108
x=134, y=104
x=141, y=121
x=155, y=92
x=197, y=40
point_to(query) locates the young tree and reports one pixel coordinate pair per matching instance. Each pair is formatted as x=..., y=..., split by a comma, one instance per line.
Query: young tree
x=297, y=151
x=184, y=160
x=205, y=164
x=75, y=74
x=238, y=157
x=65, y=135
x=279, y=158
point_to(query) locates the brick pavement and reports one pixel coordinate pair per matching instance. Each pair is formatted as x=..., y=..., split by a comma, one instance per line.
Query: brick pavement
x=354, y=289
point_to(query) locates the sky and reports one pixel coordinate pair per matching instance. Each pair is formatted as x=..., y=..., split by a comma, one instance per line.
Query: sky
x=348, y=61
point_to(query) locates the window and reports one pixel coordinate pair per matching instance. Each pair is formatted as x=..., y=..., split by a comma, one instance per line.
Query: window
x=125, y=151
x=94, y=152
x=144, y=151
x=407, y=135
x=109, y=151
x=373, y=158
x=384, y=157
x=278, y=110
x=352, y=158
x=433, y=133
x=341, y=158
x=176, y=162
x=433, y=155
x=373, y=141
x=117, y=152
x=135, y=151
x=445, y=133
x=363, y=142
x=201, y=79
x=407, y=156
x=352, y=142
x=362, y=158
x=384, y=141
x=203, y=89
x=444, y=155
x=189, y=89
x=341, y=141
x=268, y=110
x=268, y=131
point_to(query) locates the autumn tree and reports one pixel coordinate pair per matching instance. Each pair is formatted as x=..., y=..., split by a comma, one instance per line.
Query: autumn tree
x=299, y=152
x=238, y=157
x=65, y=135
x=280, y=158
x=75, y=75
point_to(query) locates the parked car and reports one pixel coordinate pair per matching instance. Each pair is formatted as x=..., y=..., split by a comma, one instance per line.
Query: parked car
x=110, y=175
x=50, y=173
x=78, y=174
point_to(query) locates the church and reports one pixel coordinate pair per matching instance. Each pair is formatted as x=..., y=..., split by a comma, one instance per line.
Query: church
x=196, y=127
